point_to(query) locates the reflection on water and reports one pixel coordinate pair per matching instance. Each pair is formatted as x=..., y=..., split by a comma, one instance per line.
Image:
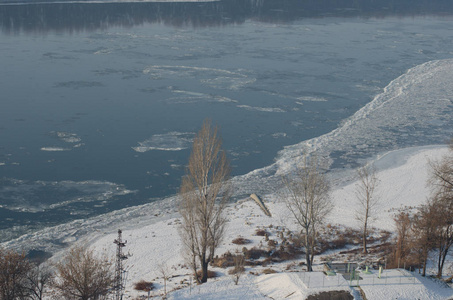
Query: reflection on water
x=44, y=16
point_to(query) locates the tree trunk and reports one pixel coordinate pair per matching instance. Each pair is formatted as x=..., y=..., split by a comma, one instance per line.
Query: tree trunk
x=365, y=251
x=308, y=252
x=425, y=258
x=440, y=264
x=204, y=271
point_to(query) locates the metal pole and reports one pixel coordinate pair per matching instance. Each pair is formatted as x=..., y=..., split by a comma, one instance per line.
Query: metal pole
x=119, y=284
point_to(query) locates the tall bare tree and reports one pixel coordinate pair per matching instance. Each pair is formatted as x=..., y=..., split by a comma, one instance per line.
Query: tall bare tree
x=83, y=275
x=307, y=197
x=205, y=191
x=367, y=201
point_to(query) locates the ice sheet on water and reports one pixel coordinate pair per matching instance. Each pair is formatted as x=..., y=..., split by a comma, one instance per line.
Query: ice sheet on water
x=312, y=99
x=172, y=141
x=38, y=196
x=215, y=78
x=262, y=109
x=194, y=97
x=67, y=137
x=53, y=239
x=400, y=116
x=54, y=149
x=279, y=135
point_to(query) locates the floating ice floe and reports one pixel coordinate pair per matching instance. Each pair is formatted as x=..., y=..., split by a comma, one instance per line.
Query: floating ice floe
x=279, y=135
x=68, y=137
x=65, y=137
x=215, y=78
x=172, y=141
x=311, y=99
x=262, y=109
x=193, y=97
x=54, y=149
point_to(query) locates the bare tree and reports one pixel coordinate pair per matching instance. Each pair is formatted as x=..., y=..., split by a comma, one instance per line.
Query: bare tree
x=14, y=268
x=166, y=274
x=204, y=192
x=307, y=197
x=443, y=220
x=441, y=202
x=38, y=279
x=83, y=275
x=367, y=202
x=425, y=224
x=238, y=268
x=404, y=227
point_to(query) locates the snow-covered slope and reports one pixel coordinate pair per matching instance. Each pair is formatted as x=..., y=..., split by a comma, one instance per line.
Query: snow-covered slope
x=402, y=175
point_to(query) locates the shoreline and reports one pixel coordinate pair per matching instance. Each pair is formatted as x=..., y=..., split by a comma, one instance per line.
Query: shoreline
x=58, y=238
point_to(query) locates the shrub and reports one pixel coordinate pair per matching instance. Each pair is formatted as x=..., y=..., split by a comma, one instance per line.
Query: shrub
x=269, y=271
x=272, y=243
x=339, y=242
x=143, y=285
x=297, y=240
x=211, y=274
x=255, y=253
x=261, y=232
x=240, y=241
x=227, y=260
x=284, y=255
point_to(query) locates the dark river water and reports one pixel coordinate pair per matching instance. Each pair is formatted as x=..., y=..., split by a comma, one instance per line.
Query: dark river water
x=99, y=101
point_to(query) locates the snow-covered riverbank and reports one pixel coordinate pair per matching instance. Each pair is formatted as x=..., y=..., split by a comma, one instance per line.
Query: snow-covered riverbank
x=402, y=182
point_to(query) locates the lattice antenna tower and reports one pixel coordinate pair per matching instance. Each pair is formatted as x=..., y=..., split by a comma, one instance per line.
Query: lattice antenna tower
x=119, y=271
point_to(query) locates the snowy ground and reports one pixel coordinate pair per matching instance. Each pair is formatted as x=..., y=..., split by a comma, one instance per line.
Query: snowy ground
x=402, y=175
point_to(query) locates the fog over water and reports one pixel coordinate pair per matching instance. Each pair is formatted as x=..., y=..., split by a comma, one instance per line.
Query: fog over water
x=100, y=101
